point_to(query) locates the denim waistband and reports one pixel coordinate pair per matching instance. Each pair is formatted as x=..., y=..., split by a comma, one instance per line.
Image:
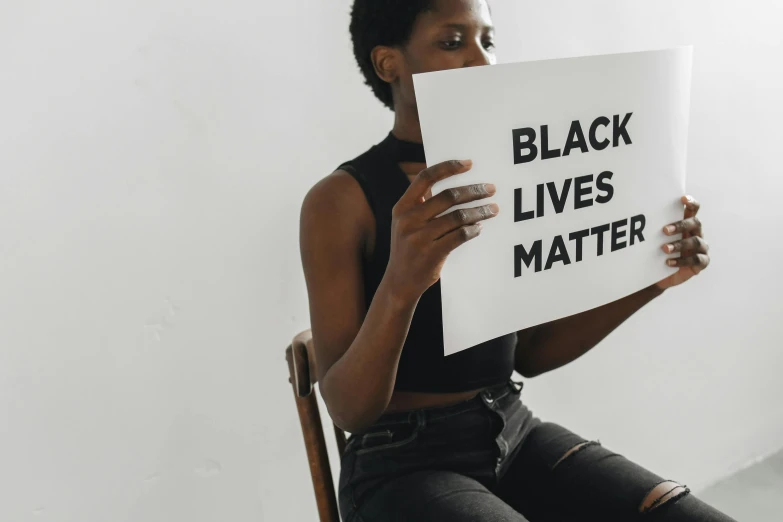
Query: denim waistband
x=428, y=415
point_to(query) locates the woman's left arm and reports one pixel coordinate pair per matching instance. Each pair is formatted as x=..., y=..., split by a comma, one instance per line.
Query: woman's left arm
x=548, y=346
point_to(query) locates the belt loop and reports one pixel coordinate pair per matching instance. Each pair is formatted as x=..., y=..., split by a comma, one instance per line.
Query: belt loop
x=488, y=398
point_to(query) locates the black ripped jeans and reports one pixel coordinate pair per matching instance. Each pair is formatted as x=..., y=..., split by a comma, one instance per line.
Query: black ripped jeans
x=489, y=459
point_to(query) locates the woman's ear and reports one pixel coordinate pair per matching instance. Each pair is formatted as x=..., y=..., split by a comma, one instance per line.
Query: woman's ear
x=386, y=61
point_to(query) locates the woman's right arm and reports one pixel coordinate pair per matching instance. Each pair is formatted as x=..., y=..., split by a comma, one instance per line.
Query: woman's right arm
x=356, y=353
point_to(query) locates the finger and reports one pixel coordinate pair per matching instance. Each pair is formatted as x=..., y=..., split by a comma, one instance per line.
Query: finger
x=691, y=209
x=695, y=244
x=691, y=206
x=461, y=217
x=699, y=262
x=425, y=179
x=691, y=225
x=454, y=196
x=458, y=237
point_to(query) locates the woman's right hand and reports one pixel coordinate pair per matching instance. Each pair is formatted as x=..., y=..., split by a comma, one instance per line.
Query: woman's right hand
x=420, y=240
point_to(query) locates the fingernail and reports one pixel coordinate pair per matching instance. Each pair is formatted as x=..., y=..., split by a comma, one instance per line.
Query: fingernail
x=689, y=199
x=494, y=209
x=669, y=229
x=668, y=248
x=671, y=262
x=466, y=163
x=489, y=188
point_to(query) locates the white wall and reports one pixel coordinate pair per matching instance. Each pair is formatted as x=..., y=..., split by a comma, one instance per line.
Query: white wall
x=153, y=157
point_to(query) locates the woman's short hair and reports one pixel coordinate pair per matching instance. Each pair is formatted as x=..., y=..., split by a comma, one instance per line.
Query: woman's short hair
x=382, y=22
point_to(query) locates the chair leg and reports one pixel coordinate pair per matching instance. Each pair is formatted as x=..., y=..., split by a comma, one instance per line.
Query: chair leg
x=317, y=456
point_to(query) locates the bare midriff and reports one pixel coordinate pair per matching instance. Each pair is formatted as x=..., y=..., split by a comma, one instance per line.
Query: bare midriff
x=406, y=401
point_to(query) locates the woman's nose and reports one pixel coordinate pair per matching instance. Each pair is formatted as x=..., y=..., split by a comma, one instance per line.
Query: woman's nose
x=479, y=56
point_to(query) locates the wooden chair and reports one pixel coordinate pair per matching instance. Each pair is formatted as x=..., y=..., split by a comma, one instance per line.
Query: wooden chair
x=302, y=376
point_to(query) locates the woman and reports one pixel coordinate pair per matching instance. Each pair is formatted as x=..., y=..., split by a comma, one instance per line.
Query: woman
x=434, y=437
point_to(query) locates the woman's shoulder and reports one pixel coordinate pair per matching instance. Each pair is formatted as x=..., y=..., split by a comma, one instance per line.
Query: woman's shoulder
x=337, y=204
x=339, y=189
x=348, y=189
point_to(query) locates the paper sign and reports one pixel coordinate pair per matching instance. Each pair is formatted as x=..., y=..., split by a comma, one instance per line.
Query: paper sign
x=588, y=156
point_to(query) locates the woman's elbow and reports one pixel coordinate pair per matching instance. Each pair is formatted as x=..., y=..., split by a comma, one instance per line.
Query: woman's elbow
x=351, y=425
x=527, y=367
x=348, y=414
x=352, y=422
x=528, y=373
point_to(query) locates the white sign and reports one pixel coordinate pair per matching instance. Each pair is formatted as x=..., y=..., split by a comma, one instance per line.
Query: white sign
x=588, y=156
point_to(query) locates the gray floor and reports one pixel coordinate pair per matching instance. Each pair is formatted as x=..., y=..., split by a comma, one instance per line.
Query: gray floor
x=754, y=494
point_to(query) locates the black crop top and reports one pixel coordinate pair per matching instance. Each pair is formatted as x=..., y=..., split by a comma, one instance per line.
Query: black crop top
x=422, y=367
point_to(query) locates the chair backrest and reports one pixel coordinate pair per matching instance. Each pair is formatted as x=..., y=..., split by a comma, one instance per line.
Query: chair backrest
x=302, y=376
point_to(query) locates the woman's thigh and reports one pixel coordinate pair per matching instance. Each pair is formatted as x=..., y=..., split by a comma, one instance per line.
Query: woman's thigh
x=558, y=476
x=433, y=496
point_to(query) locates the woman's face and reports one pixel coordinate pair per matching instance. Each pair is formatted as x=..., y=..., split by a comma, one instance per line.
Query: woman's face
x=457, y=33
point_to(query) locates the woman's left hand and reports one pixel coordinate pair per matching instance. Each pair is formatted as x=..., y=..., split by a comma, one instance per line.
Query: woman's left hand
x=692, y=247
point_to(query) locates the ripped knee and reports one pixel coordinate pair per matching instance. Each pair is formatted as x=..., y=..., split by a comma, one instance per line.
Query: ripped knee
x=576, y=449
x=661, y=494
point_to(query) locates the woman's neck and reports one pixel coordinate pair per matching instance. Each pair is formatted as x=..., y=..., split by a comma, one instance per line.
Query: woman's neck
x=406, y=125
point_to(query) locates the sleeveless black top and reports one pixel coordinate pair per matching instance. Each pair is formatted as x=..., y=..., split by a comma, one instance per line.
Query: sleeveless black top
x=422, y=367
